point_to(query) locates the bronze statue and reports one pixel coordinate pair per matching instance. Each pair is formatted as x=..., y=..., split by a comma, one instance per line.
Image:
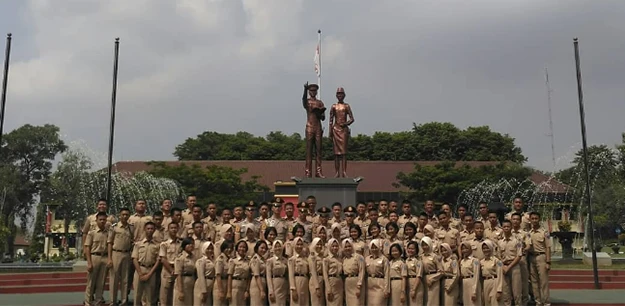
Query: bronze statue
x=315, y=113
x=339, y=131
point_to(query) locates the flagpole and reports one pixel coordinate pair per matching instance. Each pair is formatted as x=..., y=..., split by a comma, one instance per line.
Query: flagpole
x=319, y=74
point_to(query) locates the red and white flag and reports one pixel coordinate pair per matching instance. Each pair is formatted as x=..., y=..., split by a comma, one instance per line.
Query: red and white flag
x=317, y=64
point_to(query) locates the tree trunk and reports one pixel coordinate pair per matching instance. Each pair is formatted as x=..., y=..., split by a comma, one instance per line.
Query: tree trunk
x=66, y=221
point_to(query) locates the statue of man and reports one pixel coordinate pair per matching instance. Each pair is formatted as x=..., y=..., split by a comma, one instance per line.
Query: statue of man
x=341, y=118
x=315, y=113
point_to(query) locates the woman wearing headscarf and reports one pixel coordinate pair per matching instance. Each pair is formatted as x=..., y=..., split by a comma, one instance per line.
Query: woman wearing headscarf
x=239, y=276
x=332, y=274
x=322, y=232
x=378, y=280
x=432, y=268
x=335, y=231
x=250, y=238
x=277, y=276
x=492, y=274
x=184, y=268
x=428, y=231
x=375, y=232
x=416, y=290
x=220, y=287
x=299, y=274
x=315, y=266
x=470, y=273
x=398, y=274
x=358, y=244
x=258, y=287
x=450, y=276
x=205, y=267
x=354, y=271
x=289, y=246
x=227, y=235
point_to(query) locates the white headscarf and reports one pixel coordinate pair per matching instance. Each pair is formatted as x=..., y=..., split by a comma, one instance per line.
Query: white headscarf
x=427, y=240
x=332, y=241
x=346, y=241
x=313, y=245
x=295, y=241
x=447, y=247
x=225, y=228
x=205, y=246
x=335, y=226
x=377, y=242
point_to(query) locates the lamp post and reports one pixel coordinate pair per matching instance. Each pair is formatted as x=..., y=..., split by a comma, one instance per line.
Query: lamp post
x=112, y=125
x=5, y=80
x=582, y=118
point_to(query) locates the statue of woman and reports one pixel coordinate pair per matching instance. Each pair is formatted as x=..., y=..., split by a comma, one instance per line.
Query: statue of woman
x=341, y=118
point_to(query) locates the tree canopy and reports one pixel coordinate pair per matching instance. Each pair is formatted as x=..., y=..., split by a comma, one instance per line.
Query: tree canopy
x=434, y=141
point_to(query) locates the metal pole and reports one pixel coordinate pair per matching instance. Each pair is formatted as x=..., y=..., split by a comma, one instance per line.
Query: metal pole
x=112, y=131
x=319, y=75
x=5, y=79
x=582, y=118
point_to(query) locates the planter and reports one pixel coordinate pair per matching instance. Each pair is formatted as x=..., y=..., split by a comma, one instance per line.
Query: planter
x=566, y=240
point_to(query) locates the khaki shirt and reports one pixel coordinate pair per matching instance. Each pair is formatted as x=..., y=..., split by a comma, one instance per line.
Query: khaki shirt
x=121, y=237
x=403, y=219
x=509, y=249
x=280, y=225
x=146, y=253
x=307, y=229
x=92, y=224
x=526, y=224
x=187, y=215
x=448, y=235
x=540, y=240
x=138, y=222
x=466, y=235
x=239, y=268
x=492, y=268
x=493, y=233
x=97, y=240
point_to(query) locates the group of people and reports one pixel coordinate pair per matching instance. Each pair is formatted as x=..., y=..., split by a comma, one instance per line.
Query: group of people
x=369, y=254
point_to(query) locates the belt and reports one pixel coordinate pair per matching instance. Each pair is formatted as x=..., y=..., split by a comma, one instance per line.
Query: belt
x=490, y=277
x=351, y=275
x=538, y=253
x=239, y=278
x=278, y=276
x=209, y=277
x=224, y=277
x=188, y=274
x=375, y=276
x=412, y=276
x=146, y=266
x=431, y=272
x=121, y=251
x=302, y=274
x=333, y=275
x=396, y=278
x=98, y=254
x=448, y=277
x=465, y=277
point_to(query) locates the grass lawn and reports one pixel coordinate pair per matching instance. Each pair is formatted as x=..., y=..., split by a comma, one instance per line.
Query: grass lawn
x=580, y=266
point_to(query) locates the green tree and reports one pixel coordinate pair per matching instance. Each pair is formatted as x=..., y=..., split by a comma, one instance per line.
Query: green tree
x=213, y=183
x=27, y=153
x=445, y=181
x=429, y=141
x=68, y=188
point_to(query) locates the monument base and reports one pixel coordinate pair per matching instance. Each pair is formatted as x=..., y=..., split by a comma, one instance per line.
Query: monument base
x=328, y=190
x=80, y=266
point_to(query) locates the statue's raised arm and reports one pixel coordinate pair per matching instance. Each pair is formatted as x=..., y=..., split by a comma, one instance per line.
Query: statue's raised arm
x=305, y=97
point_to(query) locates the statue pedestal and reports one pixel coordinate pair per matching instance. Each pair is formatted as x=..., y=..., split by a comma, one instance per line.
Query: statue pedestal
x=328, y=190
x=566, y=239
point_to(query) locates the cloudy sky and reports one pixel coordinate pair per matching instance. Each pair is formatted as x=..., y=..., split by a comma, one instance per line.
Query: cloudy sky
x=188, y=66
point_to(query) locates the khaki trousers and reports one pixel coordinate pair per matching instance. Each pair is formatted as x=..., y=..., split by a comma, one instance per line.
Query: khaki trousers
x=95, y=280
x=166, y=294
x=525, y=281
x=118, y=278
x=512, y=287
x=144, y=289
x=540, y=278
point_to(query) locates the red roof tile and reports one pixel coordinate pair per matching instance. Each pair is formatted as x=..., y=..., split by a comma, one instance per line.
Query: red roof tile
x=379, y=176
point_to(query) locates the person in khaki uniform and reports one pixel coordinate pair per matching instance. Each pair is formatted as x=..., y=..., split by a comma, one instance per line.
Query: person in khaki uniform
x=416, y=294
x=96, y=252
x=378, y=274
x=145, y=260
x=451, y=276
x=91, y=223
x=139, y=219
x=277, y=276
x=317, y=251
x=205, y=267
x=119, y=248
x=220, y=288
x=526, y=240
x=471, y=277
x=187, y=214
x=432, y=267
x=184, y=268
x=332, y=274
x=467, y=233
x=354, y=270
x=492, y=275
x=476, y=242
x=510, y=253
x=337, y=208
x=258, y=267
x=398, y=275
x=517, y=208
x=168, y=252
x=239, y=276
x=493, y=230
x=299, y=274
x=446, y=233
x=539, y=261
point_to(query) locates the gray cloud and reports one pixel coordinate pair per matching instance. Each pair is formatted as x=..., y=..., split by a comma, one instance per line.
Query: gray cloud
x=190, y=66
